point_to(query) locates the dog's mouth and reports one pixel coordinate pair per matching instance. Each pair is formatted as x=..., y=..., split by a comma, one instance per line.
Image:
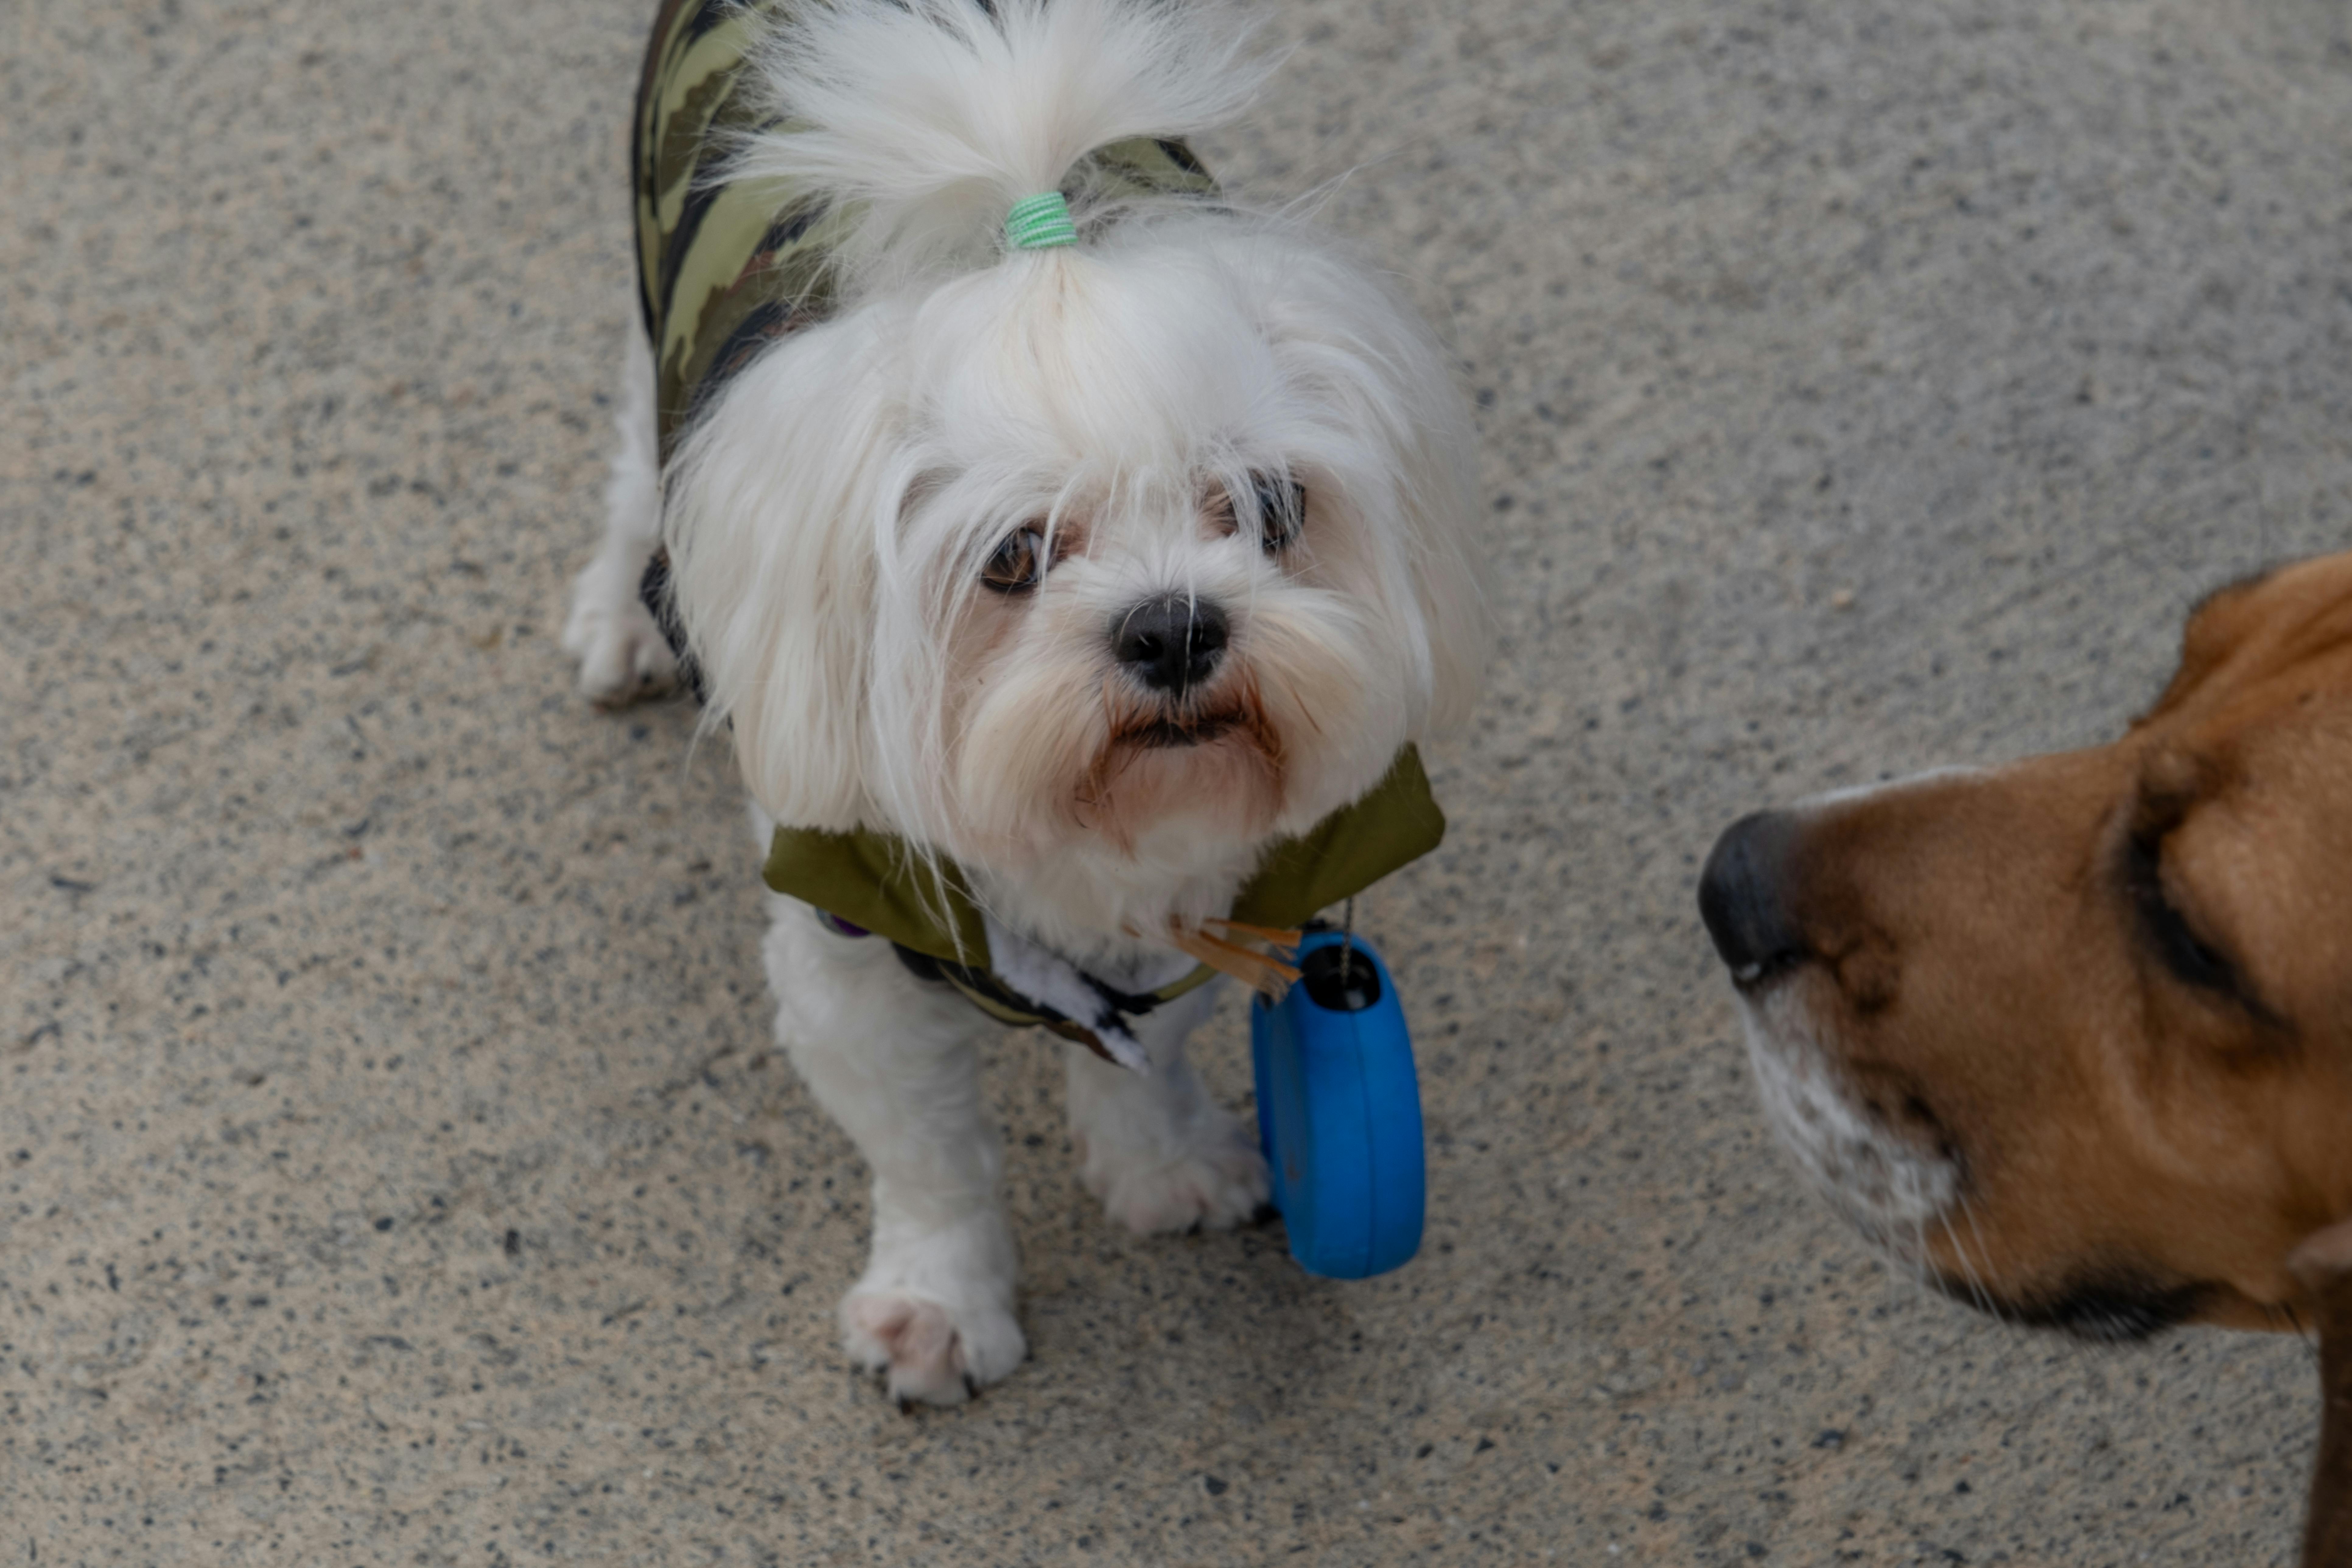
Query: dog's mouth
x=1182, y=729
x=2106, y=1305
x=1228, y=709
x=1886, y=1162
x=1221, y=752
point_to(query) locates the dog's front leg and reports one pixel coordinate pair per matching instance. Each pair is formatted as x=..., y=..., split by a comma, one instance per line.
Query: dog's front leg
x=622, y=653
x=1154, y=1147
x=892, y=1059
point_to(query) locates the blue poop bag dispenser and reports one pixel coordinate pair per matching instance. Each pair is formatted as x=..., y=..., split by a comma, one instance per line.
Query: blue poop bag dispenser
x=1338, y=1110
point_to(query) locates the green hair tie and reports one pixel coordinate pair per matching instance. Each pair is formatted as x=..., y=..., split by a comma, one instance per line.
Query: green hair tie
x=1040, y=223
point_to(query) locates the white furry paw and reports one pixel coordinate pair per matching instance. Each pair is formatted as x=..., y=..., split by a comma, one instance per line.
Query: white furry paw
x=1214, y=1180
x=929, y=1354
x=934, y=1313
x=623, y=656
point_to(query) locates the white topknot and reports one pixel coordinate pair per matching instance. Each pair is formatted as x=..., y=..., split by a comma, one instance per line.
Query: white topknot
x=935, y=116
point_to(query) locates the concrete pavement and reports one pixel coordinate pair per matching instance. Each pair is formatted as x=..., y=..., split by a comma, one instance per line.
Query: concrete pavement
x=394, y=1165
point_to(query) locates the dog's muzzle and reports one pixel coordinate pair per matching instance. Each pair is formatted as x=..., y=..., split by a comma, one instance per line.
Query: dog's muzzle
x=1887, y=1180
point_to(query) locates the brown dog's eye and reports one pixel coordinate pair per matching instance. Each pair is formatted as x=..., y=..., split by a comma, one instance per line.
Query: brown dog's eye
x=2189, y=958
x=1019, y=563
x=1281, y=510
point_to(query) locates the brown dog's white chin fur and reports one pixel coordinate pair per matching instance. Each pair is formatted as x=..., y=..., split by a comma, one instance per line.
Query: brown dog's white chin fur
x=1893, y=1190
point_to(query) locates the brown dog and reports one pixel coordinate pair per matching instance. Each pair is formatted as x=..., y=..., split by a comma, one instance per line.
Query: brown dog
x=2075, y=1035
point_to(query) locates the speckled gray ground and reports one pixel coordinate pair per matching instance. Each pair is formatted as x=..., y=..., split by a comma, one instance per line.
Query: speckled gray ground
x=392, y=1166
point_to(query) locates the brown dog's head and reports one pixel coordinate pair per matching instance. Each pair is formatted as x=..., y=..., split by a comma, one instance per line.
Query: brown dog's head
x=2076, y=1035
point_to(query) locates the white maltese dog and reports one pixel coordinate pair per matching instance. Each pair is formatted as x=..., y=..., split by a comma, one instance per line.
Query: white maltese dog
x=1074, y=556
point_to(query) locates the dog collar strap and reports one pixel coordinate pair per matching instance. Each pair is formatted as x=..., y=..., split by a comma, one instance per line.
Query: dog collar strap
x=1040, y=223
x=1103, y=1019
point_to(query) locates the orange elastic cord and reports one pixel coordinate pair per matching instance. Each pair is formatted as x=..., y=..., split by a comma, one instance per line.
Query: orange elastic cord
x=1267, y=974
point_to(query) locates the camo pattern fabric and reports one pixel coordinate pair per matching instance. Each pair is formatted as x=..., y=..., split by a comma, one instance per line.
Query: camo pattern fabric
x=723, y=270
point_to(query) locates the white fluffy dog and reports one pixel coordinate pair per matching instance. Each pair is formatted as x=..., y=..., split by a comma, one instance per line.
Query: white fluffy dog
x=1063, y=581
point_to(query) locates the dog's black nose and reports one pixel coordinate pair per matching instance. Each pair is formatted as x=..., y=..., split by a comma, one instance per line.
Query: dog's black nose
x=1171, y=643
x=1742, y=897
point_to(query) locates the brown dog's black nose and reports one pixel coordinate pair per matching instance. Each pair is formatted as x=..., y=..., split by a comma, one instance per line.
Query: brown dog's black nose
x=1743, y=900
x=1171, y=643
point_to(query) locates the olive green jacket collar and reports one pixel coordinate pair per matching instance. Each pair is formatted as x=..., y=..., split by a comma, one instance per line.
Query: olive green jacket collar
x=871, y=880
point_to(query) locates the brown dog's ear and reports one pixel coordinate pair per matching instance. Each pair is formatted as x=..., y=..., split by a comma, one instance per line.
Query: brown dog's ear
x=2323, y=1267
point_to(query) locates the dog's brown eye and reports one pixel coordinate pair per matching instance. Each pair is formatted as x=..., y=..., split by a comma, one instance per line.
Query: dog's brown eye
x=1281, y=510
x=1019, y=563
x=2184, y=952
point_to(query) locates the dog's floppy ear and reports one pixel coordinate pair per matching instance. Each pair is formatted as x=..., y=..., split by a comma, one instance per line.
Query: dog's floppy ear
x=2323, y=1267
x=775, y=510
x=1340, y=327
